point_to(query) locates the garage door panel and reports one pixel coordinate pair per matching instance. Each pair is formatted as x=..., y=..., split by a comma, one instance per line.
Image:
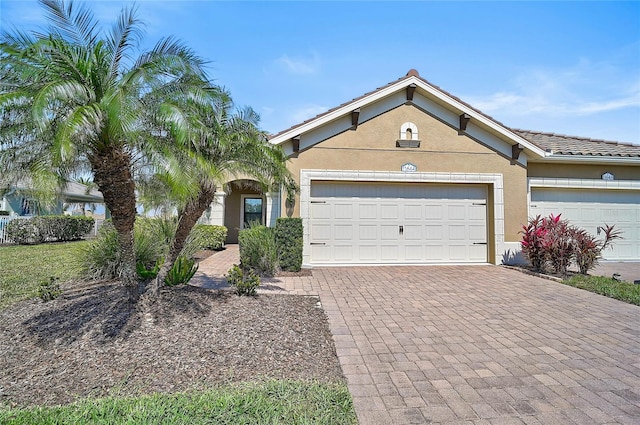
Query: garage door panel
x=368, y=232
x=368, y=253
x=321, y=232
x=343, y=211
x=434, y=212
x=395, y=223
x=388, y=232
x=412, y=232
x=388, y=212
x=414, y=252
x=457, y=232
x=368, y=211
x=413, y=212
x=433, y=232
x=477, y=232
x=389, y=253
x=457, y=212
x=343, y=232
x=344, y=253
x=321, y=211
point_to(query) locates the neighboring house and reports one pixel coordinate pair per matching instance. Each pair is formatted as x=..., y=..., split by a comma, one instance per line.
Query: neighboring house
x=410, y=174
x=17, y=201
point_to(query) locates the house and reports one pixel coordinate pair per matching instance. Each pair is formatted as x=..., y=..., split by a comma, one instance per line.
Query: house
x=410, y=174
x=18, y=200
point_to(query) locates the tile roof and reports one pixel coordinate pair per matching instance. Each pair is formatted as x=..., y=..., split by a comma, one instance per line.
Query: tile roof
x=561, y=144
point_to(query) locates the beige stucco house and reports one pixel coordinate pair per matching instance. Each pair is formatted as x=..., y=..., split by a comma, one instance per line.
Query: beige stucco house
x=410, y=174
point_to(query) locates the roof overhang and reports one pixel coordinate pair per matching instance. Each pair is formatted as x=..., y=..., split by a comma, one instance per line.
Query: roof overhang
x=425, y=89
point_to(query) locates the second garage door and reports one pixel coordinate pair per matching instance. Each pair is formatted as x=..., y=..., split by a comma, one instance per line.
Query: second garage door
x=389, y=223
x=590, y=209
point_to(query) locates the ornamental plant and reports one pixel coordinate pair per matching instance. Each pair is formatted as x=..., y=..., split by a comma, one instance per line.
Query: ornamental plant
x=588, y=250
x=532, y=243
x=553, y=242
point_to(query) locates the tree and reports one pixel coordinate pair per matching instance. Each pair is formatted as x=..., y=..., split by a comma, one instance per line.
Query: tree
x=73, y=99
x=217, y=141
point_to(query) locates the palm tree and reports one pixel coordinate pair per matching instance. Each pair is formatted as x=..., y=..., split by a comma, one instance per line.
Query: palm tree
x=218, y=141
x=74, y=99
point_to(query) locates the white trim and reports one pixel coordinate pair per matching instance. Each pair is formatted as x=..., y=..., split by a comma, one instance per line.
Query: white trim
x=409, y=126
x=583, y=183
x=251, y=196
x=307, y=176
x=390, y=90
x=588, y=159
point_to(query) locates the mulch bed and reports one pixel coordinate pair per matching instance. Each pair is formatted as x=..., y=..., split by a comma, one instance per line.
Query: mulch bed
x=88, y=342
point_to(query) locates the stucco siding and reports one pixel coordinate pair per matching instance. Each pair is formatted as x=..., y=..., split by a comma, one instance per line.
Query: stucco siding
x=372, y=147
x=583, y=171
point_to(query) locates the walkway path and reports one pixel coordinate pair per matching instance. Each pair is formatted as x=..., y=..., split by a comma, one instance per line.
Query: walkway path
x=475, y=345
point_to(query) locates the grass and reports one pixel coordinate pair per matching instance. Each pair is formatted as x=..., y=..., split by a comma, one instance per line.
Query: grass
x=23, y=267
x=270, y=402
x=623, y=291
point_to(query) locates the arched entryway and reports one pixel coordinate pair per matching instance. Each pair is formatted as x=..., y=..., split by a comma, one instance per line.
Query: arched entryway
x=242, y=202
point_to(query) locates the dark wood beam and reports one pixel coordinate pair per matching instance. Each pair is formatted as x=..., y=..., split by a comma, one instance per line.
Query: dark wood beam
x=296, y=144
x=516, y=150
x=411, y=89
x=464, y=120
x=355, y=114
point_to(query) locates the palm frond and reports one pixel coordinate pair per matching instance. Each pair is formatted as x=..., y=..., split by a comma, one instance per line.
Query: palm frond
x=72, y=22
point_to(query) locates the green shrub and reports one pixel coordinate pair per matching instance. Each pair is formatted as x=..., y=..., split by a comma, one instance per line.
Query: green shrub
x=146, y=274
x=24, y=231
x=102, y=258
x=4, y=213
x=258, y=250
x=181, y=272
x=51, y=228
x=208, y=236
x=49, y=290
x=288, y=234
x=245, y=282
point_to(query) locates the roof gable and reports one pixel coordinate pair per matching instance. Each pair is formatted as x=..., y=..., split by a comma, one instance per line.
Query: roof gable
x=376, y=102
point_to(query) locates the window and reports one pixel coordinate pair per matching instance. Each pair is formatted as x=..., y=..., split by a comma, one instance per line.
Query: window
x=28, y=207
x=251, y=211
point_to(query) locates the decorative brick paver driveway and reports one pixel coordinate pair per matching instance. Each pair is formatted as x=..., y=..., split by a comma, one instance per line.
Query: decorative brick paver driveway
x=481, y=344
x=478, y=345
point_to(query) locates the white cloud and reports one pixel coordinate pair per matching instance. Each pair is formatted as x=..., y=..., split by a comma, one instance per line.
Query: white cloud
x=584, y=89
x=299, y=65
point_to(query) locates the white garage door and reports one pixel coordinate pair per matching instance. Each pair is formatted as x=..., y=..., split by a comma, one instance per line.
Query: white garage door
x=590, y=209
x=387, y=223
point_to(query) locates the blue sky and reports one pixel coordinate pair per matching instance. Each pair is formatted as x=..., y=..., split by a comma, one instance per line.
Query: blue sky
x=564, y=67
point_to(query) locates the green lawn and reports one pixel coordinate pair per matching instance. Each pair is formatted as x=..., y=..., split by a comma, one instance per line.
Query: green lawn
x=272, y=402
x=23, y=267
x=623, y=291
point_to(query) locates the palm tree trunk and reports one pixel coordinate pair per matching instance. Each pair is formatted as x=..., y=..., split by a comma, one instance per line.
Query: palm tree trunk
x=186, y=220
x=112, y=175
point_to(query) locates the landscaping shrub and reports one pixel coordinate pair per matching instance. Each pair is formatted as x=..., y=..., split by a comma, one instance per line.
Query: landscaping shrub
x=102, y=257
x=552, y=242
x=24, y=231
x=49, y=290
x=245, y=282
x=258, y=250
x=39, y=229
x=208, y=236
x=4, y=213
x=288, y=234
x=181, y=272
x=587, y=249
